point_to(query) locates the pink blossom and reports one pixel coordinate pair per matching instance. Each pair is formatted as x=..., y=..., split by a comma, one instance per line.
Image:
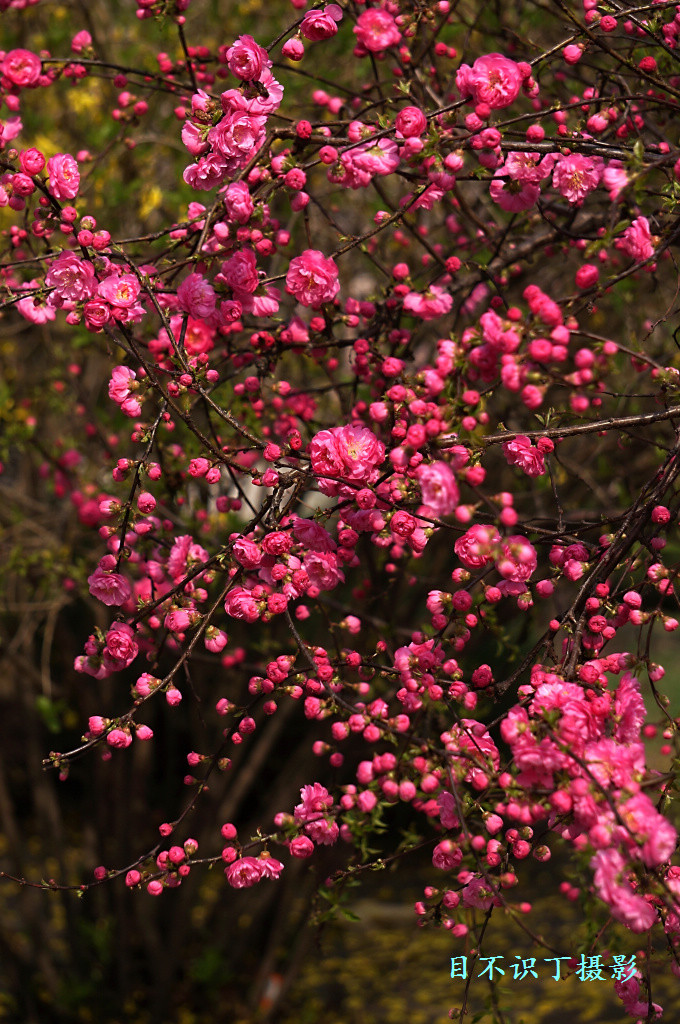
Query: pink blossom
x=208, y=173
x=22, y=67
x=111, y=588
x=121, y=649
x=493, y=79
x=119, y=738
x=351, y=453
x=244, y=872
x=312, y=535
x=240, y=273
x=410, y=122
x=312, y=279
x=322, y=569
x=33, y=308
x=376, y=30
x=236, y=137
x=629, y=709
x=438, y=488
x=433, y=303
x=72, y=279
x=615, y=179
x=520, y=452
x=575, y=176
x=64, y=176
x=196, y=296
x=121, y=291
x=511, y=194
x=271, y=867
x=301, y=847
x=653, y=835
x=447, y=810
x=318, y=25
x=238, y=202
x=447, y=855
x=9, y=130
x=636, y=241
x=247, y=59
x=517, y=559
x=315, y=799
x=478, y=545
x=240, y=604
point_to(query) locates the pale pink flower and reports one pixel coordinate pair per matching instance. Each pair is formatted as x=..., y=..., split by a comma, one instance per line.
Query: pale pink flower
x=438, y=488
x=429, y=305
x=511, y=194
x=9, y=130
x=575, y=176
x=312, y=279
x=615, y=179
x=196, y=296
x=64, y=176
x=271, y=867
x=636, y=241
x=72, y=279
x=120, y=291
x=376, y=30
x=247, y=59
x=111, y=588
x=34, y=309
x=492, y=79
x=318, y=25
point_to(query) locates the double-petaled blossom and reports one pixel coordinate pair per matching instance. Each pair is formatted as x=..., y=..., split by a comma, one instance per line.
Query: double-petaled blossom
x=318, y=25
x=520, y=452
x=71, y=278
x=438, y=487
x=429, y=305
x=348, y=453
x=312, y=279
x=21, y=67
x=478, y=546
x=247, y=59
x=64, y=176
x=636, y=241
x=376, y=30
x=196, y=296
x=494, y=80
x=575, y=176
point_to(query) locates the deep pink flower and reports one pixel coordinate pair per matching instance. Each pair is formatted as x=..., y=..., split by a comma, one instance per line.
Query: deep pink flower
x=410, y=122
x=247, y=59
x=22, y=67
x=312, y=279
x=520, y=452
x=244, y=872
x=351, y=453
x=240, y=604
x=636, y=241
x=318, y=25
x=240, y=273
x=517, y=559
x=196, y=296
x=121, y=649
x=376, y=30
x=64, y=176
x=493, y=79
x=323, y=570
x=238, y=202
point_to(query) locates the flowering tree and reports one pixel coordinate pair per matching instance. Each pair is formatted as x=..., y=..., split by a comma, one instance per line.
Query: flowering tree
x=337, y=422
